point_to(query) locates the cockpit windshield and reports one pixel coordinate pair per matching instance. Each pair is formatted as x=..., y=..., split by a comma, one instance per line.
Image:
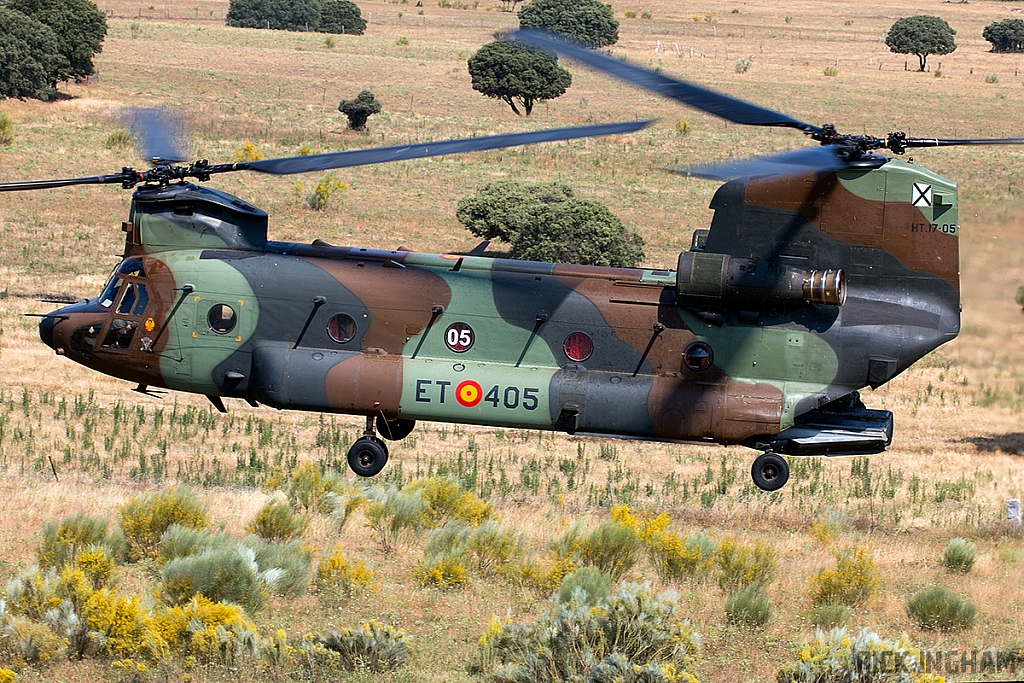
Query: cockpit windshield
x=128, y=267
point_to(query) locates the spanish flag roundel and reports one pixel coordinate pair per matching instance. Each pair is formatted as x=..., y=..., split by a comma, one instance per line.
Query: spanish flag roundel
x=468, y=393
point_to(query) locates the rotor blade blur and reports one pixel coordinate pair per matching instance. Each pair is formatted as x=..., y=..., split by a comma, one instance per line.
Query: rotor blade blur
x=155, y=129
x=62, y=182
x=950, y=142
x=724, y=106
x=807, y=160
x=380, y=155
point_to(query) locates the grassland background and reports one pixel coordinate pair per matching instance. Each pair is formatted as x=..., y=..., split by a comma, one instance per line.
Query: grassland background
x=958, y=413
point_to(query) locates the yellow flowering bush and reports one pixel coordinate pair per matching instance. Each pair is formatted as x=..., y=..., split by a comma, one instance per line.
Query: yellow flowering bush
x=852, y=582
x=145, y=518
x=863, y=658
x=336, y=571
x=121, y=626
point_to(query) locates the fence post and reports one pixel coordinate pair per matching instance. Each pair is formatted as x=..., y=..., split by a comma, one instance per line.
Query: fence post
x=1013, y=511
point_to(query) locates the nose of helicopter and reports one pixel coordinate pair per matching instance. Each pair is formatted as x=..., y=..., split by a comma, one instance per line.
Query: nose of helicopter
x=46, y=329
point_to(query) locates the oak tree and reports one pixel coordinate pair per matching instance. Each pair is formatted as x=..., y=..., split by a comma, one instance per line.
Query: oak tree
x=589, y=22
x=546, y=222
x=513, y=72
x=921, y=35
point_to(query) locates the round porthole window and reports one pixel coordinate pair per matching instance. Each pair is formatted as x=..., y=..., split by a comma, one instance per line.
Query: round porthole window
x=341, y=328
x=221, y=318
x=578, y=346
x=698, y=356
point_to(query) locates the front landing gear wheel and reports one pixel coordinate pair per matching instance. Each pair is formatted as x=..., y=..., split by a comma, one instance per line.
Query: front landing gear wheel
x=770, y=472
x=368, y=456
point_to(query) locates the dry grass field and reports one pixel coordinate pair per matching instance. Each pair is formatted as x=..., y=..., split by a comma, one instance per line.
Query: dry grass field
x=958, y=453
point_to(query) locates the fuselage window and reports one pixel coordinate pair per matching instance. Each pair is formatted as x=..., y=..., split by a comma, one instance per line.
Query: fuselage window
x=119, y=334
x=341, y=328
x=221, y=318
x=698, y=356
x=578, y=346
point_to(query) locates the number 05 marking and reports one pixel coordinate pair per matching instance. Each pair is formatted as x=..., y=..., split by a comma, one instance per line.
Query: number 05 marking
x=459, y=337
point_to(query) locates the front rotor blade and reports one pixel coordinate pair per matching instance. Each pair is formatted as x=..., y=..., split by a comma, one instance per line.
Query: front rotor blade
x=155, y=129
x=950, y=142
x=380, y=155
x=62, y=182
x=724, y=106
x=810, y=159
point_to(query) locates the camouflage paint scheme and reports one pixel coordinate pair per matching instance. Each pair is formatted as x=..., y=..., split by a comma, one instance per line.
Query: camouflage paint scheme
x=772, y=363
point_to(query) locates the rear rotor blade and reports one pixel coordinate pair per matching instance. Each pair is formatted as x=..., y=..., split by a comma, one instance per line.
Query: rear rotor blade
x=950, y=142
x=724, y=106
x=810, y=159
x=380, y=155
x=155, y=129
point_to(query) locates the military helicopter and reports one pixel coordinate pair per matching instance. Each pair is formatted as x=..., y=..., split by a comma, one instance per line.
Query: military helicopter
x=824, y=271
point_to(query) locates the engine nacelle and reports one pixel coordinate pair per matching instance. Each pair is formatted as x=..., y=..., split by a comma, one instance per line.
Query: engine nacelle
x=708, y=280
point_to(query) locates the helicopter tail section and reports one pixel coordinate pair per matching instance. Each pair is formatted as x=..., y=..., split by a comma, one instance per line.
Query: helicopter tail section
x=889, y=227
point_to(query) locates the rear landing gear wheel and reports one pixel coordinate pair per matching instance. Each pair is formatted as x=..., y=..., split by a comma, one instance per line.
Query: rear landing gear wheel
x=770, y=472
x=395, y=430
x=368, y=456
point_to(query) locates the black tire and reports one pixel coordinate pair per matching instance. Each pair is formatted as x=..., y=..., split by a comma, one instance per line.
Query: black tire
x=395, y=430
x=770, y=472
x=368, y=456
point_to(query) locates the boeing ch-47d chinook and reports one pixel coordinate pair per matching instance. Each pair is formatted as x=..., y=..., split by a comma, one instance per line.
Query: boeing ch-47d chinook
x=824, y=270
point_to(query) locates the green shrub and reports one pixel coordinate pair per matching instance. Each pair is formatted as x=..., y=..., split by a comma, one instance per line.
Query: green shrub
x=959, y=556
x=446, y=558
x=119, y=139
x=145, y=518
x=831, y=71
x=63, y=540
x=373, y=646
x=494, y=545
x=743, y=65
x=319, y=195
x=864, y=658
x=308, y=488
x=748, y=607
x=393, y=513
x=182, y=541
x=741, y=565
x=852, y=582
x=243, y=574
x=446, y=569
x=275, y=521
x=6, y=129
x=30, y=641
x=587, y=584
x=940, y=608
x=612, y=547
x=991, y=78
x=219, y=574
x=343, y=504
x=830, y=616
x=632, y=635
x=446, y=500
